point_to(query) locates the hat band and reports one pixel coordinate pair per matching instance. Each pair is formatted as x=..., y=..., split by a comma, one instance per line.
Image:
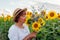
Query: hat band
x=18, y=12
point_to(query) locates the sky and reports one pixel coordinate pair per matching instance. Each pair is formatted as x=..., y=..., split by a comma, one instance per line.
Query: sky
x=11, y=5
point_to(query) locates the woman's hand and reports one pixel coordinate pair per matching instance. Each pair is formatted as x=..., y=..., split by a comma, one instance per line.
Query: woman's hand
x=33, y=34
x=30, y=36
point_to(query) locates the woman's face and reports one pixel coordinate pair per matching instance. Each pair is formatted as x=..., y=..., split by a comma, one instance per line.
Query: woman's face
x=22, y=18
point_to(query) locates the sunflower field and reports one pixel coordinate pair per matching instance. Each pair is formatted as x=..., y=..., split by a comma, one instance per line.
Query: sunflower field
x=5, y=23
x=46, y=24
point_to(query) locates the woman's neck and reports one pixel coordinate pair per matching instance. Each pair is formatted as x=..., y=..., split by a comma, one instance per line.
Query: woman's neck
x=20, y=25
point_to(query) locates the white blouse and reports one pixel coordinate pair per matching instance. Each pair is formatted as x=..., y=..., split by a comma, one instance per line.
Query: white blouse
x=16, y=33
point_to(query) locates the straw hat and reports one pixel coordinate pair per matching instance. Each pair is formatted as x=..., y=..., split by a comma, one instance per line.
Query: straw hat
x=17, y=11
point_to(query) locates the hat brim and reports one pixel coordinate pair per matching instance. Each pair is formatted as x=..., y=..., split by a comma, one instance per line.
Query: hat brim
x=25, y=9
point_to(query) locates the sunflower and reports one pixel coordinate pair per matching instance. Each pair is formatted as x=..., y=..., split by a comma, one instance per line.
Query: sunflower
x=26, y=22
x=43, y=12
x=36, y=26
x=58, y=13
x=40, y=20
x=52, y=14
x=46, y=17
x=8, y=17
x=28, y=14
x=43, y=23
x=27, y=18
x=58, y=16
x=5, y=18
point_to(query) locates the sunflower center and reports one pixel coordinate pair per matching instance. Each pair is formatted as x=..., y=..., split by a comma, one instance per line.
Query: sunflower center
x=36, y=25
x=46, y=17
x=30, y=13
x=40, y=20
x=58, y=16
x=41, y=23
x=52, y=14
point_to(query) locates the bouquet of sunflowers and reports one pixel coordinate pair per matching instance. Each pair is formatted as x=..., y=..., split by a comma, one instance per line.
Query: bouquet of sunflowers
x=46, y=24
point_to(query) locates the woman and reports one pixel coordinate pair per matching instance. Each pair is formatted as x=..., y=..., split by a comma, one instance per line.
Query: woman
x=19, y=30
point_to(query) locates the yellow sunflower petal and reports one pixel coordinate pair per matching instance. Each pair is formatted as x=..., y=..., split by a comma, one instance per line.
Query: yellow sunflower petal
x=8, y=17
x=5, y=18
x=26, y=22
x=36, y=26
x=40, y=20
x=52, y=14
x=46, y=17
x=43, y=23
x=58, y=16
x=28, y=14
